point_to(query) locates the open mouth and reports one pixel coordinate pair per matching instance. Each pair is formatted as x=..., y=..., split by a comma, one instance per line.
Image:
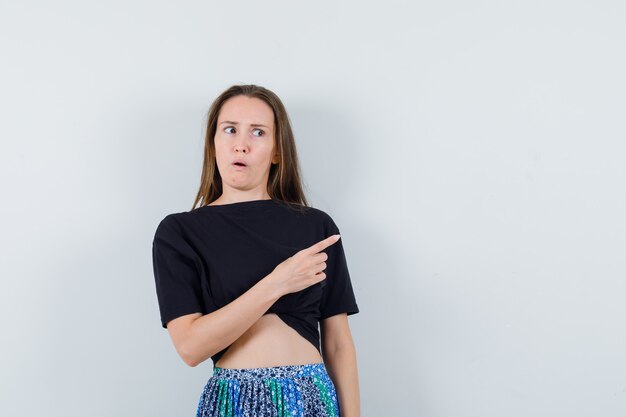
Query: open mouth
x=239, y=164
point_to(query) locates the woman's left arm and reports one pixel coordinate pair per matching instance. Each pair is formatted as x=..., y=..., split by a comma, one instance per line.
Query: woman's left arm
x=339, y=356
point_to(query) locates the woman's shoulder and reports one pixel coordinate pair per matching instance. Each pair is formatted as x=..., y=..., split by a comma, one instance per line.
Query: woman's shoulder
x=169, y=224
x=310, y=211
x=251, y=210
x=318, y=216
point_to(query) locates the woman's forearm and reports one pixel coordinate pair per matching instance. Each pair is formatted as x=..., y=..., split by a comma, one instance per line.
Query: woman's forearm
x=342, y=368
x=215, y=331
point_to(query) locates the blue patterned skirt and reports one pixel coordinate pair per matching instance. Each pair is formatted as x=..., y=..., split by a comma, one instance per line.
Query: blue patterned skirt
x=278, y=391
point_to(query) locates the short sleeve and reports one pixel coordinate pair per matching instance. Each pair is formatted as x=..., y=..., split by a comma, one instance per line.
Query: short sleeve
x=176, y=275
x=337, y=293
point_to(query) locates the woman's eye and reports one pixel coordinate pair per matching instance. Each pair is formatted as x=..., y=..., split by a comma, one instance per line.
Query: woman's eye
x=229, y=127
x=259, y=130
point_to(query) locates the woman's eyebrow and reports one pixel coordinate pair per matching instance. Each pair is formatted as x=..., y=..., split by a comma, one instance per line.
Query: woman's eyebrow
x=236, y=123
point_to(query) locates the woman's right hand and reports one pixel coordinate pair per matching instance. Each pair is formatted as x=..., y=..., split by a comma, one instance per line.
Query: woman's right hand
x=303, y=269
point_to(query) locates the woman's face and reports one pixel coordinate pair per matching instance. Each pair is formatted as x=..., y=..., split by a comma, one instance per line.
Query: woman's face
x=245, y=132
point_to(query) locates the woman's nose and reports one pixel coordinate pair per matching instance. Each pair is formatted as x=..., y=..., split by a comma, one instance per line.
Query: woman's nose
x=240, y=143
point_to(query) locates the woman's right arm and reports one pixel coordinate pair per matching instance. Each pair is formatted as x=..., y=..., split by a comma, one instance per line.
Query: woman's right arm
x=197, y=337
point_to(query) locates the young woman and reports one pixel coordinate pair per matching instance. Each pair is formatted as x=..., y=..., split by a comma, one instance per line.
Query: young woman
x=246, y=277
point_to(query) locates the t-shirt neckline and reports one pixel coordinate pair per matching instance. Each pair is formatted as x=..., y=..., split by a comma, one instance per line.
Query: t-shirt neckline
x=240, y=204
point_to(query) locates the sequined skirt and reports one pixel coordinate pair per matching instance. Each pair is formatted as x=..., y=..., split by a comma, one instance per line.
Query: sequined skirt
x=278, y=391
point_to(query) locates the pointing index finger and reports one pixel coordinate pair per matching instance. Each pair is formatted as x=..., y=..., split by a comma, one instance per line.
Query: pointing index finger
x=323, y=244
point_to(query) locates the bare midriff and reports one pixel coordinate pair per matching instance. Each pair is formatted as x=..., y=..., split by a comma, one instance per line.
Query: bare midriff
x=269, y=342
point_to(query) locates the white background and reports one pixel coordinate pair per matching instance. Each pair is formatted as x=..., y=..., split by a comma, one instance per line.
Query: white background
x=472, y=154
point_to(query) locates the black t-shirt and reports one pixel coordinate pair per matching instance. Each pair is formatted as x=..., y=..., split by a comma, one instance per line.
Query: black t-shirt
x=205, y=258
